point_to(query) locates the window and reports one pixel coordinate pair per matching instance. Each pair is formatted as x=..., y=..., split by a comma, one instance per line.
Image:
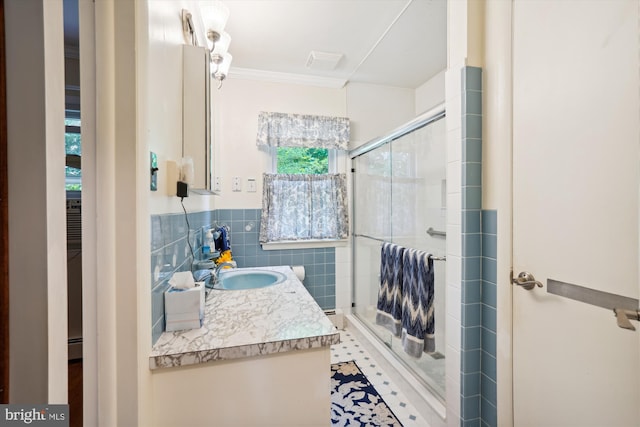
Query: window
x=73, y=150
x=304, y=207
x=304, y=200
x=303, y=160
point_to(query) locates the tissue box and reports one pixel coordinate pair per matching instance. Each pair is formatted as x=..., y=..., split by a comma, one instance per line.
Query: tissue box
x=184, y=308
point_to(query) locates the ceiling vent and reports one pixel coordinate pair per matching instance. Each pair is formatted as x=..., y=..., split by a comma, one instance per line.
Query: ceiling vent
x=323, y=60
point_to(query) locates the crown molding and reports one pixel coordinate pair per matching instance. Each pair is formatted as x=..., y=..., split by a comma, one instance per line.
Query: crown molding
x=278, y=77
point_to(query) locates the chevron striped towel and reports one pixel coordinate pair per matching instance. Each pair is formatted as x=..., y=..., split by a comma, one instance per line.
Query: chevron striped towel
x=417, y=303
x=389, y=313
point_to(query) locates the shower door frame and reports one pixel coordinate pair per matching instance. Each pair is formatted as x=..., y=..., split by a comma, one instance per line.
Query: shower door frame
x=433, y=115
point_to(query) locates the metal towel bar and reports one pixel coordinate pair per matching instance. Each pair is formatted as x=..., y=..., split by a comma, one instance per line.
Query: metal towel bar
x=433, y=257
x=432, y=232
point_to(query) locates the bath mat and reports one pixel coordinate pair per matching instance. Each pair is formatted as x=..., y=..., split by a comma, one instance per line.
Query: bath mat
x=354, y=401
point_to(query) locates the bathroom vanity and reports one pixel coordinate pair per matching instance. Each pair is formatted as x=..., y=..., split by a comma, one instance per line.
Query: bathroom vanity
x=262, y=357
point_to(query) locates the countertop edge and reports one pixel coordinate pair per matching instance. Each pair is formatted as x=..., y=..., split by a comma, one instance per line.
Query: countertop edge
x=242, y=351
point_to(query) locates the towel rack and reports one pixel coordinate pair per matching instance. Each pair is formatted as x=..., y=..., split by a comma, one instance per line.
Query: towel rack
x=432, y=232
x=433, y=257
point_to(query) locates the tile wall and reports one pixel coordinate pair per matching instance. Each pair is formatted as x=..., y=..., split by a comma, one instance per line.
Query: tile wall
x=320, y=264
x=478, y=287
x=488, y=379
x=170, y=252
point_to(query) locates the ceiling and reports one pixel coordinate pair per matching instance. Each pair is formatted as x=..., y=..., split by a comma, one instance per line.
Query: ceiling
x=398, y=43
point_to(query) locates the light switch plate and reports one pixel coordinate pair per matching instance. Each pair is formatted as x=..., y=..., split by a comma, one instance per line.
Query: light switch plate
x=217, y=184
x=251, y=185
x=236, y=184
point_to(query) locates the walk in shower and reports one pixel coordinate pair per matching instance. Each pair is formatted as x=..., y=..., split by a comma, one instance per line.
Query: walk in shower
x=399, y=196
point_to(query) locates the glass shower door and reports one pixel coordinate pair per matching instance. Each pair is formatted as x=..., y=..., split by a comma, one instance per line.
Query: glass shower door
x=372, y=226
x=399, y=193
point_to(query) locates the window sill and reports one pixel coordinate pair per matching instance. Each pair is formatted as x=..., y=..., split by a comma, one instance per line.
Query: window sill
x=307, y=244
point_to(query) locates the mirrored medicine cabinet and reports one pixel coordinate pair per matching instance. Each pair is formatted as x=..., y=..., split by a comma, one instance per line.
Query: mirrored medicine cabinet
x=196, y=116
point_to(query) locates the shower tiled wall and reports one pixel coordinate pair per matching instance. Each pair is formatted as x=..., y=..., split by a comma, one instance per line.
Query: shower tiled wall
x=478, y=287
x=170, y=252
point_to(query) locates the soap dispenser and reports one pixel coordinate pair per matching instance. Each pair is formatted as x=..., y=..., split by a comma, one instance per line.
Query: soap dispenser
x=208, y=244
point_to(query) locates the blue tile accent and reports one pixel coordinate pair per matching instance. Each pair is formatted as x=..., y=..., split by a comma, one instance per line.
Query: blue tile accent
x=488, y=364
x=470, y=408
x=471, y=291
x=471, y=245
x=489, y=389
x=471, y=337
x=489, y=293
x=473, y=102
x=470, y=360
x=472, y=126
x=479, y=268
x=472, y=150
x=489, y=342
x=489, y=245
x=489, y=267
x=470, y=384
x=170, y=252
x=472, y=79
x=471, y=221
x=472, y=173
x=489, y=413
x=471, y=268
x=489, y=317
x=471, y=196
x=471, y=315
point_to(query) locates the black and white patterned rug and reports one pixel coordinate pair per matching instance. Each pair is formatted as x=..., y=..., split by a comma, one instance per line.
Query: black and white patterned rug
x=354, y=401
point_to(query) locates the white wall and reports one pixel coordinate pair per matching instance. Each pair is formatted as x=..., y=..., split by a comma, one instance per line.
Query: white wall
x=163, y=103
x=497, y=179
x=376, y=110
x=35, y=132
x=430, y=93
x=235, y=117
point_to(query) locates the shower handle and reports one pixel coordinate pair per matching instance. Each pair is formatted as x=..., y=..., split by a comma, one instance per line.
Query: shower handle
x=525, y=280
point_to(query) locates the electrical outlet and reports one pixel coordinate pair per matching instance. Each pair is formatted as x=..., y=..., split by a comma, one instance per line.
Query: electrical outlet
x=251, y=185
x=217, y=184
x=236, y=184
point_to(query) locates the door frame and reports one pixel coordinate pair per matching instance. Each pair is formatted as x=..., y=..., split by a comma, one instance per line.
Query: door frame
x=4, y=222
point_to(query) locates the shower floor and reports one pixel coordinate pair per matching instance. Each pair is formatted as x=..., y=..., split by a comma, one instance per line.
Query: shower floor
x=430, y=369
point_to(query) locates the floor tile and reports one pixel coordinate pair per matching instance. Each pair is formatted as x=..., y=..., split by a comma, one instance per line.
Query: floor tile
x=351, y=349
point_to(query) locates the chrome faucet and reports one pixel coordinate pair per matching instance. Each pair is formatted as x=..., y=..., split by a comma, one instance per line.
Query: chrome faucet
x=216, y=271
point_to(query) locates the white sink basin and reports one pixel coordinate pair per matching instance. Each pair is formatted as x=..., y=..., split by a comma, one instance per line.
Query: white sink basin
x=248, y=279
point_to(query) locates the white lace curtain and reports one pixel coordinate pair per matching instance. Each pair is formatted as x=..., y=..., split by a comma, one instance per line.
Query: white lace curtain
x=304, y=207
x=302, y=130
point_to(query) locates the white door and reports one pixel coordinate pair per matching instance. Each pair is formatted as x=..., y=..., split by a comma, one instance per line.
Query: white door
x=576, y=136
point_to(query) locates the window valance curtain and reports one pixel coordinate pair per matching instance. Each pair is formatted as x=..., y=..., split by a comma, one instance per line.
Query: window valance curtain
x=302, y=130
x=304, y=207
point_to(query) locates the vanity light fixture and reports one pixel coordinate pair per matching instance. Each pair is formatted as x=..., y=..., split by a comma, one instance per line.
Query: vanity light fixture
x=222, y=69
x=214, y=16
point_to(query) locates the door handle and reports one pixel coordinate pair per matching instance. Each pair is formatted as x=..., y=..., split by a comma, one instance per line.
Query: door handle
x=623, y=317
x=525, y=280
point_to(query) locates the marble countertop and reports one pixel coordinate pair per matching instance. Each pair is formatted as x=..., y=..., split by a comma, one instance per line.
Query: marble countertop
x=246, y=323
